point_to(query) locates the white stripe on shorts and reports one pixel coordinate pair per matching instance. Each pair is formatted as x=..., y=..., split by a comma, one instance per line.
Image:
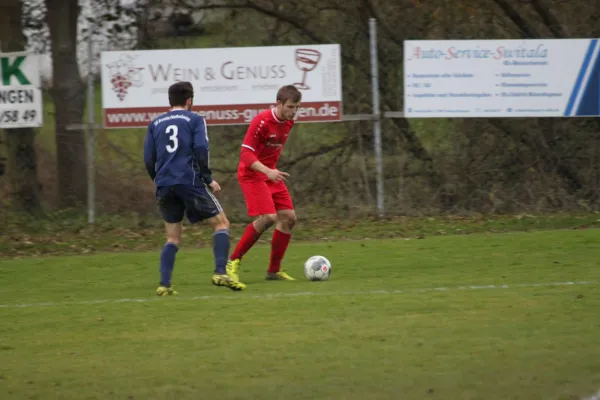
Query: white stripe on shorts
x=212, y=196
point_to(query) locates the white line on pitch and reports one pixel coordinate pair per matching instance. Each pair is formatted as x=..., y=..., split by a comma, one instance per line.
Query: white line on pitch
x=298, y=294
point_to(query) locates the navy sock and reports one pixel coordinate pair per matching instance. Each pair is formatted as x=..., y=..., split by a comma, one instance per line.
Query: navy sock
x=221, y=250
x=167, y=261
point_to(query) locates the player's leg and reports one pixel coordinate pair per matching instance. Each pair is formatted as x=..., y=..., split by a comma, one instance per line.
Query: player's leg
x=220, y=277
x=252, y=233
x=220, y=225
x=282, y=234
x=172, y=210
x=203, y=205
x=167, y=258
x=259, y=204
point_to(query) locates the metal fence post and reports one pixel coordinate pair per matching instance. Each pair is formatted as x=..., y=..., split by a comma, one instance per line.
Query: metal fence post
x=376, y=115
x=90, y=127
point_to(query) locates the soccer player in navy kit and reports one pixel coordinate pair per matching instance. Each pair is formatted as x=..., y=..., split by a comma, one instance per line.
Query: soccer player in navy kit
x=177, y=159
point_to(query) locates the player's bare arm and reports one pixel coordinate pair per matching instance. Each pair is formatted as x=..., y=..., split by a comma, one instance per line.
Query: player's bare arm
x=214, y=186
x=249, y=157
x=273, y=174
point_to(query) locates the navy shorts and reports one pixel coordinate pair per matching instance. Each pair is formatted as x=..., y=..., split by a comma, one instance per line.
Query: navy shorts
x=195, y=202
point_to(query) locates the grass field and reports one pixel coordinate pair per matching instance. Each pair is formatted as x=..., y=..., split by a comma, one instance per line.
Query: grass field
x=485, y=316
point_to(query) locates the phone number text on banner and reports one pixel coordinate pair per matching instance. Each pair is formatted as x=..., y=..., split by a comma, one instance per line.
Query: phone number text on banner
x=20, y=93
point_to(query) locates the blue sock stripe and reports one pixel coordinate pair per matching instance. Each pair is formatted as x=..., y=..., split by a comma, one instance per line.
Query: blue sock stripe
x=170, y=244
x=221, y=232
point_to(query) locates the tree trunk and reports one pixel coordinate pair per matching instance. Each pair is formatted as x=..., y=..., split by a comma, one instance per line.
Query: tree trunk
x=20, y=143
x=69, y=100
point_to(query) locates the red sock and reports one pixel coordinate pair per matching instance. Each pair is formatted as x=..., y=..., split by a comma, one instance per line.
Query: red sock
x=248, y=239
x=279, y=245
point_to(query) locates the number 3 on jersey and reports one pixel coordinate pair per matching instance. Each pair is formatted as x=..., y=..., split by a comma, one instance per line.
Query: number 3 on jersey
x=172, y=130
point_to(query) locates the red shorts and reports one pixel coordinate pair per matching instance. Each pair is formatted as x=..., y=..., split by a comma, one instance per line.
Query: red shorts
x=266, y=197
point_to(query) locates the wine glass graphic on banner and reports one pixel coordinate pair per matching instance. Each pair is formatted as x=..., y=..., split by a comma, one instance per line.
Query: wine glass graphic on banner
x=306, y=61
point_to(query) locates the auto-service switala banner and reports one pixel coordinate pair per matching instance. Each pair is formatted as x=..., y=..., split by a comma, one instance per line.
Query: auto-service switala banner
x=502, y=78
x=231, y=85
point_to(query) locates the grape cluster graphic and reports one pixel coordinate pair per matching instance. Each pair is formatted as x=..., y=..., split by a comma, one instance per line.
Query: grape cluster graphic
x=120, y=85
x=123, y=75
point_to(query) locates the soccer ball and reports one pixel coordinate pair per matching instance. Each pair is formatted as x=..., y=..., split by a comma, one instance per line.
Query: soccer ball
x=317, y=268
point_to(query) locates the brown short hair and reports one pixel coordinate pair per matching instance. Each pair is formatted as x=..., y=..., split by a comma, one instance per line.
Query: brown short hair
x=179, y=93
x=289, y=92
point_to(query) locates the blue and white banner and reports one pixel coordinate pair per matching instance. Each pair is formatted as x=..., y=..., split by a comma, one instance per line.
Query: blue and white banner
x=501, y=78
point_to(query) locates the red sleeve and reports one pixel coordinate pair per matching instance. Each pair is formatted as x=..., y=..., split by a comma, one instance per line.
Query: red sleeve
x=252, y=141
x=248, y=157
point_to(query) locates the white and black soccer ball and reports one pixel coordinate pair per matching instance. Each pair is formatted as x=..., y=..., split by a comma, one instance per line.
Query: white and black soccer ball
x=317, y=268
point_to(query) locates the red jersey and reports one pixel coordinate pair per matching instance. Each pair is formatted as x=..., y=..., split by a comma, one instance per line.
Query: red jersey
x=264, y=142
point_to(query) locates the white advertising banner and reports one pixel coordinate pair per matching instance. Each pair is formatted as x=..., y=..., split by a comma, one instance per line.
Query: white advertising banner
x=501, y=78
x=21, y=100
x=231, y=85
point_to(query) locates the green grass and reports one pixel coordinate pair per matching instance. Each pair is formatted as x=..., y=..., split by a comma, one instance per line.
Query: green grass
x=354, y=337
x=63, y=233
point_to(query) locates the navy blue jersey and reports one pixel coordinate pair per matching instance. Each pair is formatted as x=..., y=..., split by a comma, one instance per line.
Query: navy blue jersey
x=176, y=150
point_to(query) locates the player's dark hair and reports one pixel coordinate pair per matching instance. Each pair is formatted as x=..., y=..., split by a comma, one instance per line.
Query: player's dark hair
x=289, y=92
x=179, y=93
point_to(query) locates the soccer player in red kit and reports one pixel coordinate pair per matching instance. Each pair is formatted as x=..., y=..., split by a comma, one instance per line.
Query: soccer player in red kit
x=263, y=185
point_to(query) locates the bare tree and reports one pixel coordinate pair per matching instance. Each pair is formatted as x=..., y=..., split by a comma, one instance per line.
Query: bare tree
x=68, y=96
